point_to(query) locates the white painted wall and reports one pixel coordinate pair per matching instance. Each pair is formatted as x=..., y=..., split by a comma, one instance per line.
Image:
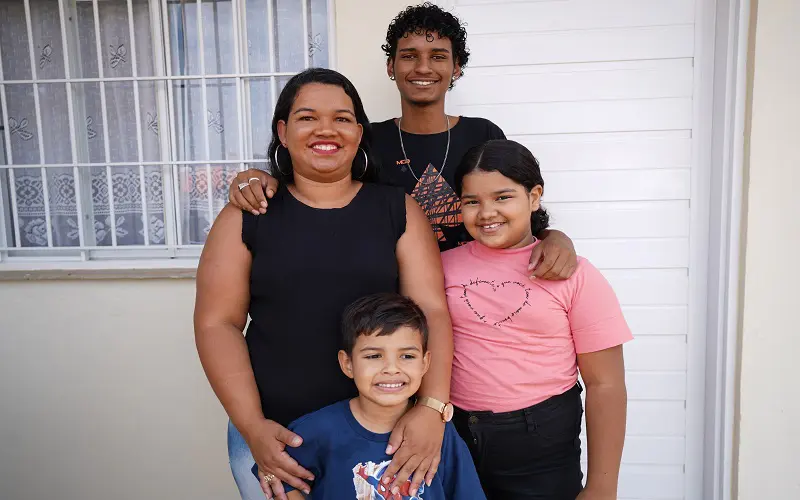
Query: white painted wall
x=769, y=406
x=101, y=392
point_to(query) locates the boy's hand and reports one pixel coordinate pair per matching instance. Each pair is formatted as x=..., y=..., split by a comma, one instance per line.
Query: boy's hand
x=554, y=258
x=416, y=442
x=268, y=442
x=251, y=197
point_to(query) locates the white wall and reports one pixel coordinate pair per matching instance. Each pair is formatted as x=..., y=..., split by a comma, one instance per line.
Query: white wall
x=769, y=439
x=101, y=392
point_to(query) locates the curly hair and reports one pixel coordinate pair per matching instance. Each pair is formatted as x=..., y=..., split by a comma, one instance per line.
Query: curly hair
x=427, y=19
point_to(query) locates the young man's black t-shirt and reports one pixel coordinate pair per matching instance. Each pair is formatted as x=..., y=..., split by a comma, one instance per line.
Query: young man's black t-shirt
x=432, y=191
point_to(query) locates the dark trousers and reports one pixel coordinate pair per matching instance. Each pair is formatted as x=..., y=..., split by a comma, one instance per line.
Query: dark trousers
x=529, y=454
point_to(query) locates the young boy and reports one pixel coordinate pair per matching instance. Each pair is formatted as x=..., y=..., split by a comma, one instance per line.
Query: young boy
x=344, y=445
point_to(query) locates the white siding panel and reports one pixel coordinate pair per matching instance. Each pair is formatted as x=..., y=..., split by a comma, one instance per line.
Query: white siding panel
x=572, y=15
x=655, y=353
x=667, y=78
x=587, y=116
x=617, y=185
x=635, y=253
x=651, y=219
x=460, y=3
x=601, y=92
x=649, y=286
x=672, y=320
x=624, y=151
x=654, y=450
x=656, y=418
x=651, y=482
x=657, y=42
x=645, y=450
x=656, y=386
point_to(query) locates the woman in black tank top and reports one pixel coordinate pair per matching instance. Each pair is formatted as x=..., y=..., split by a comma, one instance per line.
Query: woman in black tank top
x=331, y=235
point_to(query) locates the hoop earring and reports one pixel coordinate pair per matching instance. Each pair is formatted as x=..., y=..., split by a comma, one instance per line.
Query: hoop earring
x=275, y=159
x=366, y=163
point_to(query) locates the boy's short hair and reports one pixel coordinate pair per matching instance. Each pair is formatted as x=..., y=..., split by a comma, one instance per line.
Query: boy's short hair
x=384, y=313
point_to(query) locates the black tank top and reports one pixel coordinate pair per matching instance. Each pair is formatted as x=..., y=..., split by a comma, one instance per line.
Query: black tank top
x=308, y=265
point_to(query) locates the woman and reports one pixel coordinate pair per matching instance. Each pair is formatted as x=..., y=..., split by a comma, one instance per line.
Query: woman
x=332, y=235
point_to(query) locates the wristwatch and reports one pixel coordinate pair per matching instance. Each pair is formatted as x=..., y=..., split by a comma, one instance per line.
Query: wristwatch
x=446, y=409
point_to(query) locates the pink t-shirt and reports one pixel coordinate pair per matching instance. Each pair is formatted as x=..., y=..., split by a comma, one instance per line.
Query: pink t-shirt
x=516, y=339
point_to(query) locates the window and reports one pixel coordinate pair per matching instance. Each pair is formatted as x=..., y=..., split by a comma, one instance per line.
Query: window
x=123, y=122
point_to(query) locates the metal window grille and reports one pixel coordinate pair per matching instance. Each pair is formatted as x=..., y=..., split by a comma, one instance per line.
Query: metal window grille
x=123, y=121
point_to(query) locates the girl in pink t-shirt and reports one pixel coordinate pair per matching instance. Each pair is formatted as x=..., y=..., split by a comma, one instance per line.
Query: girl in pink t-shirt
x=520, y=343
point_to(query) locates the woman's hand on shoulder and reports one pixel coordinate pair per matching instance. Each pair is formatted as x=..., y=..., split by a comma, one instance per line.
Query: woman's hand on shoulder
x=416, y=443
x=252, y=196
x=268, y=441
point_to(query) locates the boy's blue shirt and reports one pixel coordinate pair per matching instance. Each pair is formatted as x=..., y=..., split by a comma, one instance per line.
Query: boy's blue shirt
x=347, y=460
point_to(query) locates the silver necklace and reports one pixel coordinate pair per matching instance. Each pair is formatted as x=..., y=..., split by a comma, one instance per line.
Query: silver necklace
x=405, y=156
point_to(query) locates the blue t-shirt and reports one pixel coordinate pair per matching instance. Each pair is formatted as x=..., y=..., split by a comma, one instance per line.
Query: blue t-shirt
x=348, y=461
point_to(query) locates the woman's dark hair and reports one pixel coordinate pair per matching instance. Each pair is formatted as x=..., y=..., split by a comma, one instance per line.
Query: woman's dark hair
x=284, y=172
x=384, y=313
x=428, y=19
x=511, y=159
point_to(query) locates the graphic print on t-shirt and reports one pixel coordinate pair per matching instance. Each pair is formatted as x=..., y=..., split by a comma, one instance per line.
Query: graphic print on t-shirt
x=366, y=479
x=438, y=200
x=483, y=296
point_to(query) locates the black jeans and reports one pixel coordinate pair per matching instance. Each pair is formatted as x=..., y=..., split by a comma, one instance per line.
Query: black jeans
x=529, y=454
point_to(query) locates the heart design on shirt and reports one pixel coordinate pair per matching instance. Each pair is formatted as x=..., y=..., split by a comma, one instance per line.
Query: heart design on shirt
x=506, y=300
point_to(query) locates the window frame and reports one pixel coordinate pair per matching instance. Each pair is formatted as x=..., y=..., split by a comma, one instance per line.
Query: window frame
x=148, y=259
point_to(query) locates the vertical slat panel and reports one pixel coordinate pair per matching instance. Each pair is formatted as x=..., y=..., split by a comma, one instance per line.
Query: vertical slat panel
x=138, y=114
x=239, y=21
x=273, y=55
x=306, y=56
x=104, y=114
x=10, y=156
x=175, y=231
x=204, y=93
x=38, y=111
x=76, y=175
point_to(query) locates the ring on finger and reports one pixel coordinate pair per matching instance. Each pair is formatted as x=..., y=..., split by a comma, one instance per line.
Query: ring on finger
x=269, y=478
x=242, y=185
x=251, y=179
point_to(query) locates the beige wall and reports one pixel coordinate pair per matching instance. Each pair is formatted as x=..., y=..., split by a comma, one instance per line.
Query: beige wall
x=101, y=392
x=102, y=395
x=769, y=438
x=361, y=25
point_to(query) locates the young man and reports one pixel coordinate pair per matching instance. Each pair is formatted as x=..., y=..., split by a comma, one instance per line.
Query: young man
x=426, y=53
x=385, y=352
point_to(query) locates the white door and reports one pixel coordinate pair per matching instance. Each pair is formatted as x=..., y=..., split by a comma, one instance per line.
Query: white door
x=601, y=91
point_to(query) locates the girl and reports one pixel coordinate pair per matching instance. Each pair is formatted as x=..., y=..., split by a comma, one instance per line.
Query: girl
x=519, y=344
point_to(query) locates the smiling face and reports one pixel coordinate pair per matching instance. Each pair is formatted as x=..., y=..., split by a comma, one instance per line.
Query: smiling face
x=387, y=369
x=423, y=68
x=497, y=211
x=321, y=133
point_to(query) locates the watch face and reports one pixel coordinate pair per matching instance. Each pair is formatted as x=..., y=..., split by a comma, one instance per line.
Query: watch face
x=447, y=413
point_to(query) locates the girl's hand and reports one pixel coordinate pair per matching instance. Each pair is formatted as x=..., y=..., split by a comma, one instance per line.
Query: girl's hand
x=268, y=442
x=252, y=196
x=416, y=443
x=554, y=258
